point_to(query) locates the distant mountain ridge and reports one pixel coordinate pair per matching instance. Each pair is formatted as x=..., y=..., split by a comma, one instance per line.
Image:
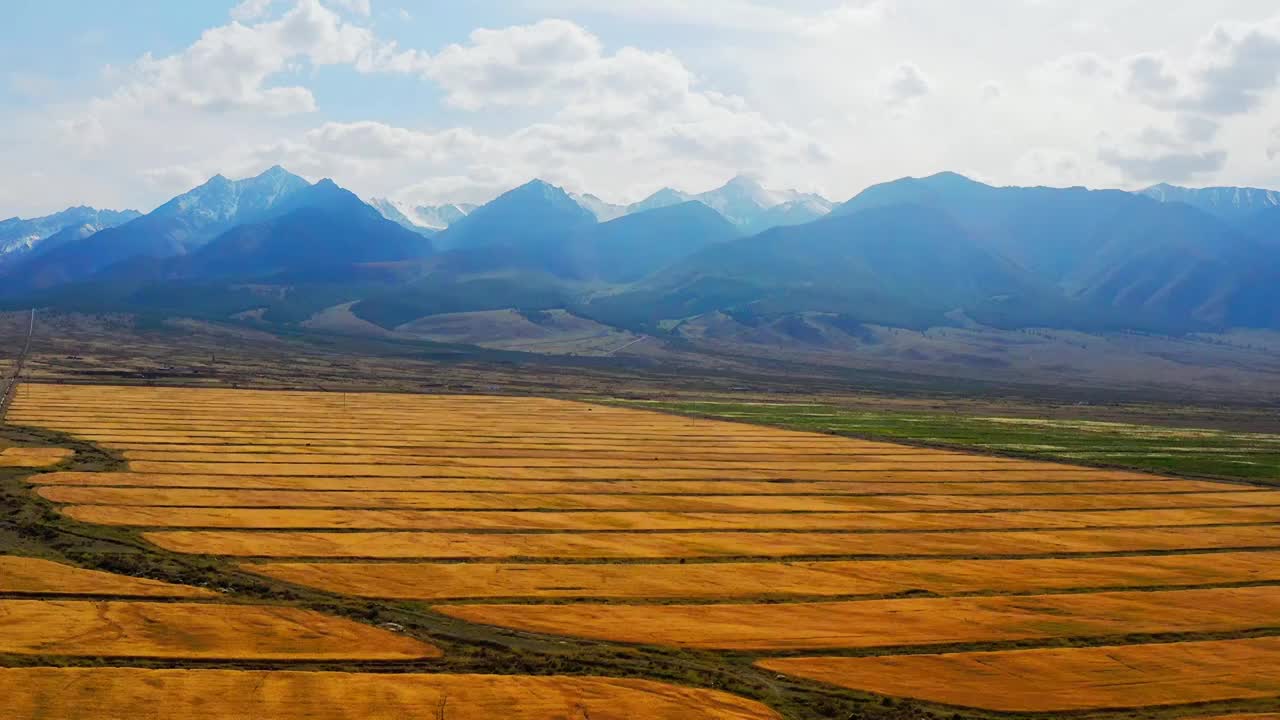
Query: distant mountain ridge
x=943, y=250
x=744, y=202
x=20, y=236
x=431, y=218
x=1230, y=203
x=177, y=227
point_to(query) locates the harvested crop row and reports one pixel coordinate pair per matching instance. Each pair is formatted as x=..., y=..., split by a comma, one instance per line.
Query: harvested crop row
x=624, y=487
x=187, y=497
x=893, y=623
x=474, y=581
x=140, y=479
x=1061, y=679
x=438, y=444
x=873, y=462
x=184, y=630
x=29, y=457
x=32, y=576
x=693, y=545
x=574, y=472
x=612, y=451
x=271, y=518
x=640, y=424
x=139, y=694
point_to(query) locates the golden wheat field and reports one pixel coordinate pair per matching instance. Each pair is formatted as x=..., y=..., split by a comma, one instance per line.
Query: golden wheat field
x=474, y=581
x=902, y=622
x=34, y=576
x=1062, y=679
x=622, y=526
x=302, y=518
x=27, y=457
x=729, y=544
x=137, y=694
x=191, y=630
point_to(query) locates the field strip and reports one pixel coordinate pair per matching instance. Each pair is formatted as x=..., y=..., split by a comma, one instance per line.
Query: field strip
x=287, y=419
x=33, y=457
x=1061, y=679
x=959, y=483
x=630, y=487
x=654, y=475
x=568, y=472
x=210, y=441
x=33, y=576
x=376, y=431
x=874, y=463
x=893, y=623
x=505, y=450
x=442, y=545
x=139, y=694
x=305, y=519
x=476, y=581
x=194, y=497
x=193, y=631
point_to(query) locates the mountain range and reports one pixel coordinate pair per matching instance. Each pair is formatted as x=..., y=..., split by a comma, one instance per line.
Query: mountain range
x=916, y=253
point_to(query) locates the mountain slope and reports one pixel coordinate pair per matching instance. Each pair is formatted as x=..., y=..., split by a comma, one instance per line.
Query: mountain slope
x=604, y=211
x=19, y=236
x=328, y=227
x=1264, y=226
x=633, y=246
x=179, y=226
x=1126, y=251
x=1235, y=204
x=665, y=197
x=901, y=265
x=439, y=217
x=746, y=204
x=533, y=216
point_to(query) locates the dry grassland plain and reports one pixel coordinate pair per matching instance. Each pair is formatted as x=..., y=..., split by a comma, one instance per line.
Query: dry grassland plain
x=136, y=694
x=33, y=576
x=1062, y=679
x=311, y=488
x=193, y=631
x=459, y=581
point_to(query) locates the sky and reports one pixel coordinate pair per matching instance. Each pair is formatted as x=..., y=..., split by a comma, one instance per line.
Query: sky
x=119, y=103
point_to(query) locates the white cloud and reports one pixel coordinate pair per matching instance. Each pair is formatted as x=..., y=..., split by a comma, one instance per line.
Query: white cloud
x=621, y=97
x=356, y=7
x=1175, y=165
x=231, y=67
x=742, y=15
x=905, y=83
x=250, y=10
x=1051, y=166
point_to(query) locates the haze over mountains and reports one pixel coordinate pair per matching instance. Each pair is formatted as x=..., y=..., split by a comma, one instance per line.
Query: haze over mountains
x=940, y=251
